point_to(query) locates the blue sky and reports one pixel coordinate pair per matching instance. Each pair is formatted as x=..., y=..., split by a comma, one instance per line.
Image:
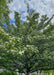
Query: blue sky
x=41, y=6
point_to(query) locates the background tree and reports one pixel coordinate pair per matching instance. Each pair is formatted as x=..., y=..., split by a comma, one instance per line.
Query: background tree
x=4, y=13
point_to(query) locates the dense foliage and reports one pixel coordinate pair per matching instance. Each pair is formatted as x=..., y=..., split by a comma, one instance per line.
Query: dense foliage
x=27, y=47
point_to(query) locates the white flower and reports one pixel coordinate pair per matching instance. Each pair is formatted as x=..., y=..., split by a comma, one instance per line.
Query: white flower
x=27, y=21
x=35, y=19
x=7, y=34
x=21, y=52
x=12, y=50
x=0, y=57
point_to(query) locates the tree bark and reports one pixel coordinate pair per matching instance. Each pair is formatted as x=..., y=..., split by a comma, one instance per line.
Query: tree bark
x=12, y=73
x=37, y=72
x=19, y=73
x=40, y=72
x=27, y=73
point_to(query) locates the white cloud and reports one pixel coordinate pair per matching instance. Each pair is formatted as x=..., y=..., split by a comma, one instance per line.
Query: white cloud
x=41, y=6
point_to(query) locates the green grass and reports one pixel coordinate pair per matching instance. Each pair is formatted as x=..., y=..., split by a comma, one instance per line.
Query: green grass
x=49, y=71
x=33, y=74
x=7, y=73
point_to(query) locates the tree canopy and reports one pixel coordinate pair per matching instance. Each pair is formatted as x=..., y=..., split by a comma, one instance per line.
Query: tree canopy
x=27, y=47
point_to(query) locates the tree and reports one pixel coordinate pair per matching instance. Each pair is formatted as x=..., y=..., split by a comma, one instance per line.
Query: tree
x=4, y=12
x=3, y=6
x=28, y=47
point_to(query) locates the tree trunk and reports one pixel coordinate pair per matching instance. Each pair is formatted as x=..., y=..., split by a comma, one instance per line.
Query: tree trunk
x=19, y=73
x=12, y=73
x=40, y=72
x=37, y=72
x=27, y=73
